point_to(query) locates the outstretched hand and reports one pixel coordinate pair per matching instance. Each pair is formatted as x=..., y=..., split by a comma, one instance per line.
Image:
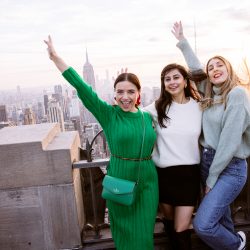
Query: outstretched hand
x=58, y=61
x=122, y=71
x=177, y=31
x=51, y=50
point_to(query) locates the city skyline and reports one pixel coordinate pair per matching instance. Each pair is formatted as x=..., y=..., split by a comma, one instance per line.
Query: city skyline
x=132, y=34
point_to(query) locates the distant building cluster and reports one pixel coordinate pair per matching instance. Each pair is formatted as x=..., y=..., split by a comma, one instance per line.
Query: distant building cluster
x=63, y=106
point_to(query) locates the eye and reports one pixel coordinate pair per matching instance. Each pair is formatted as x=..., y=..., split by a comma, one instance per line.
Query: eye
x=210, y=68
x=131, y=91
x=176, y=77
x=119, y=91
x=167, y=79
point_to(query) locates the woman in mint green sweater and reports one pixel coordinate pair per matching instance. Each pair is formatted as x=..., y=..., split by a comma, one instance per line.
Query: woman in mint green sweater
x=132, y=226
x=225, y=146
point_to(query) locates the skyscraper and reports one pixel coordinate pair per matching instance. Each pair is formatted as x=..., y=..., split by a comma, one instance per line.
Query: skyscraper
x=55, y=113
x=74, y=107
x=88, y=72
x=58, y=89
x=40, y=111
x=46, y=103
x=19, y=98
x=28, y=117
x=3, y=113
x=89, y=77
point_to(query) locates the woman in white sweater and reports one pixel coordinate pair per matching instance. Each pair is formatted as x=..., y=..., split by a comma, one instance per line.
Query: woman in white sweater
x=225, y=146
x=177, y=118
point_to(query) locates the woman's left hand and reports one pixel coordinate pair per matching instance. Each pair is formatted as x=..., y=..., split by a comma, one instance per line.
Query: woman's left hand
x=207, y=190
x=177, y=31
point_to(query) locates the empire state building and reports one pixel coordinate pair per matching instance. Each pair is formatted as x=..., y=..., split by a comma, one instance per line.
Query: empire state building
x=88, y=77
x=88, y=72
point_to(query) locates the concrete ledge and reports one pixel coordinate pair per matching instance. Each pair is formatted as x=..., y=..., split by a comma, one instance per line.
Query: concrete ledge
x=41, y=205
x=35, y=155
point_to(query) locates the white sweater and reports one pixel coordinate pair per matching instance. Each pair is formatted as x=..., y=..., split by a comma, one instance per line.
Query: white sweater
x=178, y=143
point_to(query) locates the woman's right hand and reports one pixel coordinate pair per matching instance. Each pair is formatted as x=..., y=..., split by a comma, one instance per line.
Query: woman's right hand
x=51, y=50
x=60, y=64
x=177, y=31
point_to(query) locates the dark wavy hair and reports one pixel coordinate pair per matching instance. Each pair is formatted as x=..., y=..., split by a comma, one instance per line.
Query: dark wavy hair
x=165, y=100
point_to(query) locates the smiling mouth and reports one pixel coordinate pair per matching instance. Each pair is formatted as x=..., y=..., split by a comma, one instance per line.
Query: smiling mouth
x=173, y=87
x=125, y=104
x=217, y=75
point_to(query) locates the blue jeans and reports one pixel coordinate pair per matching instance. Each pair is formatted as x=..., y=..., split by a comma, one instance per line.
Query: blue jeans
x=213, y=222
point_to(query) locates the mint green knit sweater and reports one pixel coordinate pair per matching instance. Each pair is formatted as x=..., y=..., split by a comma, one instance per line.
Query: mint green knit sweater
x=132, y=226
x=226, y=130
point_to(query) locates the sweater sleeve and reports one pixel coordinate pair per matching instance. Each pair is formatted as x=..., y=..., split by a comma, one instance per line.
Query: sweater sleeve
x=99, y=108
x=192, y=60
x=234, y=123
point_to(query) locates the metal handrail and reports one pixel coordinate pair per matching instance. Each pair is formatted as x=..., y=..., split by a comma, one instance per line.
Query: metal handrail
x=89, y=164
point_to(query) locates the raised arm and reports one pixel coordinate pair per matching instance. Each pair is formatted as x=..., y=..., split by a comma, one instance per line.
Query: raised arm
x=58, y=61
x=190, y=57
x=98, y=107
x=177, y=31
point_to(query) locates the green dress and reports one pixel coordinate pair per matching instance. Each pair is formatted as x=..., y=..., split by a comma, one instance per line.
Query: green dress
x=132, y=227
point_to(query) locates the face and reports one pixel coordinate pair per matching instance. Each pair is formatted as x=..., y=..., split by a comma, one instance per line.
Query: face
x=217, y=71
x=126, y=94
x=174, y=83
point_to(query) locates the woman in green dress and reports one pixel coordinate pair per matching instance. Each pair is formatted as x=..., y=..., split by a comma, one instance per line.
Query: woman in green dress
x=132, y=226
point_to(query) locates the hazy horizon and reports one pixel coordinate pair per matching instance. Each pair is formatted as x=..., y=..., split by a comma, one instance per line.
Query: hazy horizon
x=135, y=34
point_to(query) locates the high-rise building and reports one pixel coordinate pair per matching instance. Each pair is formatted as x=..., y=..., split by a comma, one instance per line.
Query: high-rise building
x=55, y=113
x=46, y=103
x=66, y=109
x=19, y=98
x=40, y=111
x=28, y=117
x=3, y=113
x=74, y=107
x=58, y=89
x=88, y=72
x=89, y=77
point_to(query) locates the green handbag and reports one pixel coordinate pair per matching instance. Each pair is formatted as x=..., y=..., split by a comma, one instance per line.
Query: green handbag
x=119, y=190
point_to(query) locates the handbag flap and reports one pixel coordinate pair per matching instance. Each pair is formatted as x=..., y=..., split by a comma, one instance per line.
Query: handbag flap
x=117, y=185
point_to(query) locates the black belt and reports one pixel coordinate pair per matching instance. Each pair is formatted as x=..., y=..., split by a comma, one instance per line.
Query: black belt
x=132, y=159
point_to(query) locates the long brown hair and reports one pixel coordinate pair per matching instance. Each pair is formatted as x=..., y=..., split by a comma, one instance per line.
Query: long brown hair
x=232, y=81
x=165, y=100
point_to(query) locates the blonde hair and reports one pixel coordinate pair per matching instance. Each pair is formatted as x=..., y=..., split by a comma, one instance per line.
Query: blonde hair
x=231, y=81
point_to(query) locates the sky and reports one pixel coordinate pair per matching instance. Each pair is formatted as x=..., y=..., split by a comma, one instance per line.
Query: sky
x=134, y=33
